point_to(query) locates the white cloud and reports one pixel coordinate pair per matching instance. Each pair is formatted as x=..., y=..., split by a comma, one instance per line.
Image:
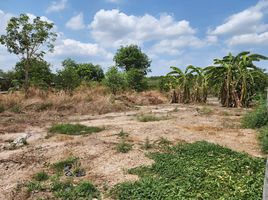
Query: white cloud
x=76, y=22
x=176, y=46
x=57, y=6
x=249, y=39
x=113, y=28
x=246, y=21
x=4, y=18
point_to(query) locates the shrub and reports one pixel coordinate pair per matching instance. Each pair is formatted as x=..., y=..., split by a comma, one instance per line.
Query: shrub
x=123, y=146
x=135, y=80
x=41, y=176
x=74, y=129
x=115, y=80
x=263, y=137
x=256, y=118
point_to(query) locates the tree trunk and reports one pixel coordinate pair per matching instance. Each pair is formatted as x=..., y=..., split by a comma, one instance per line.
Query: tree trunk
x=174, y=97
x=26, y=83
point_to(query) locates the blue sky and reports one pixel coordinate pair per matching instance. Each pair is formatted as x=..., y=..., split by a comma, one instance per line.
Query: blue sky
x=170, y=32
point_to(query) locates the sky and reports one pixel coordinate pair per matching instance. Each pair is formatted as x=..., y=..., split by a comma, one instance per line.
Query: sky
x=171, y=32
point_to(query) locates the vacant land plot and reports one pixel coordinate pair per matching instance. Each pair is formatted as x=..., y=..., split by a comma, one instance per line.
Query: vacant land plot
x=105, y=166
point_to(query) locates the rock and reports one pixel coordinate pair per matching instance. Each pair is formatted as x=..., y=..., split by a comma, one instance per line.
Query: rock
x=21, y=140
x=68, y=173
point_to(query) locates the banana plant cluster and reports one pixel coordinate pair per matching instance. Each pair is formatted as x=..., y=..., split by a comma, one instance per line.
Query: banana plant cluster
x=236, y=80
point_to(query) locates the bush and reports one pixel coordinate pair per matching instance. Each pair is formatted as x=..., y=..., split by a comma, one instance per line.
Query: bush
x=263, y=137
x=135, y=80
x=196, y=171
x=59, y=166
x=123, y=146
x=74, y=129
x=115, y=80
x=41, y=176
x=256, y=118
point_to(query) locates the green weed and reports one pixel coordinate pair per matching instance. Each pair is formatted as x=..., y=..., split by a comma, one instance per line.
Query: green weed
x=74, y=129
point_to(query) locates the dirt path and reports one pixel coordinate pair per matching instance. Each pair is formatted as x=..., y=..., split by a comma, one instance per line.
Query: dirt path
x=104, y=166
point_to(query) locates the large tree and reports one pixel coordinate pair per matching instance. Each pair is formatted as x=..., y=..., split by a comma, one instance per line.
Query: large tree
x=29, y=39
x=131, y=57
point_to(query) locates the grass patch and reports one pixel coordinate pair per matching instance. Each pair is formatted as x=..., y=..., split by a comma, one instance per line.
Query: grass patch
x=16, y=109
x=59, y=166
x=74, y=129
x=123, y=146
x=150, y=118
x=67, y=190
x=196, y=171
x=256, y=118
x=41, y=176
x=34, y=186
x=122, y=134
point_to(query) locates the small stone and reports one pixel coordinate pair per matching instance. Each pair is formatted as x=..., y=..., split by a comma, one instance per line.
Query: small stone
x=68, y=173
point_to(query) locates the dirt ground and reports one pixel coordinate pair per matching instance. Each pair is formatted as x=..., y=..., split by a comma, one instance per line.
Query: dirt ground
x=104, y=166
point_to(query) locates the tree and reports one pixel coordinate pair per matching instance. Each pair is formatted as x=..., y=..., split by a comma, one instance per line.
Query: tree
x=115, y=80
x=90, y=72
x=67, y=78
x=131, y=57
x=39, y=74
x=236, y=76
x=28, y=39
x=184, y=80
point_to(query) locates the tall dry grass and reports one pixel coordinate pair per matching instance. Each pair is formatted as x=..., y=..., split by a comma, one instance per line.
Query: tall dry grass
x=84, y=100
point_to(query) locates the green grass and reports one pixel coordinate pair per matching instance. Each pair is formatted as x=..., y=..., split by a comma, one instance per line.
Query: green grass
x=256, y=118
x=122, y=134
x=41, y=176
x=59, y=166
x=196, y=171
x=74, y=129
x=67, y=190
x=34, y=186
x=150, y=118
x=147, y=144
x=16, y=109
x=205, y=111
x=2, y=108
x=123, y=146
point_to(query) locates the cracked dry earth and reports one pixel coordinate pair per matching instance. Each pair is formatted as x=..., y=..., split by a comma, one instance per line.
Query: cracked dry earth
x=106, y=167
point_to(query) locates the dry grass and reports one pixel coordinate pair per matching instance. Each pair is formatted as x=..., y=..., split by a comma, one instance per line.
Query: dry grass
x=51, y=106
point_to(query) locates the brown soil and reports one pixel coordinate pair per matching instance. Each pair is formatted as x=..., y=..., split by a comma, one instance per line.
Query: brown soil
x=106, y=167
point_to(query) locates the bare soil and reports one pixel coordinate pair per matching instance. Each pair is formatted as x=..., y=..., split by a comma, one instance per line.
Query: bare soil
x=106, y=167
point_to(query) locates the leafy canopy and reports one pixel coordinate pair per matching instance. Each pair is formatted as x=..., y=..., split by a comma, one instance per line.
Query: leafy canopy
x=130, y=57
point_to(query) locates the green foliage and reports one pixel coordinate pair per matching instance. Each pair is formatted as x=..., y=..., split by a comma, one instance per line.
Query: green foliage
x=135, y=80
x=89, y=72
x=34, y=186
x=59, y=166
x=263, y=137
x=196, y=171
x=41, y=176
x=115, y=80
x=149, y=118
x=130, y=57
x=123, y=146
x=66, y=190
x=39, y=73
x=2, y=108
x=256, y=118
x=74, y=129
x=67, y=79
